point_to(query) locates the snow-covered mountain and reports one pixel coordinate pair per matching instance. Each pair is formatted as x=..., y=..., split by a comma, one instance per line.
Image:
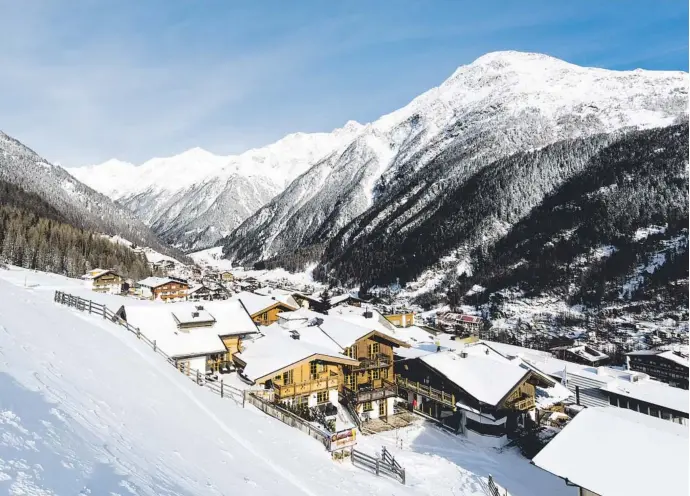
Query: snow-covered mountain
x=395, y=172
x=76, y=203
x=193, y=199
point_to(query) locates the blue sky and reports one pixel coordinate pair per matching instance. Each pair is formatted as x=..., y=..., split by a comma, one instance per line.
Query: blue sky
x=86, y=80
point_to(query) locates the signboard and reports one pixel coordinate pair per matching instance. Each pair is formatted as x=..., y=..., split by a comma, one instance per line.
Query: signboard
x=343, y=439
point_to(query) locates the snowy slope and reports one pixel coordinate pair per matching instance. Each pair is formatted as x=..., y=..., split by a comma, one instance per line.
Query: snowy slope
x=501, y=104
x=85, y=408
x=195, y=198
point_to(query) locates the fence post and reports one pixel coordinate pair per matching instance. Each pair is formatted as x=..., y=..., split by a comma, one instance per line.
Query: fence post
x=154, y=345
x=198, y=377
x=244, y=397
x=221, y=386
x=377, y=466
x=138, y=334
x=403, y=476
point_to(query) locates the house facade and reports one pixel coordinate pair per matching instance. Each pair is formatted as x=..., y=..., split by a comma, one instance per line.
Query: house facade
x=104, y=281
x=473, y=390
x=669, y=366
x=403, y=318
x=370, y=386
x=264, y=310
x=163, y=288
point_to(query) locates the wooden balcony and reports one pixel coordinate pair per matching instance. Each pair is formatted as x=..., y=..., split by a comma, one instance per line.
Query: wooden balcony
x=384, y=389
x=523, y=404
x=379, y=361
x=320, y=383
x=442, y=397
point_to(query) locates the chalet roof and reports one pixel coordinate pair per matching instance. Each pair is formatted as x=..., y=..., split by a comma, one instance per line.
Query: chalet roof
x=195, y=315
x=356, y=315
x=654, y=392
x=336, y=300
x=584, y=351
x=159, y=322
x=96, y=273
x=486, y=377
x=613, y=451
x=155, y=282
x=255, y=303
x=276, y=350
x=629, y=383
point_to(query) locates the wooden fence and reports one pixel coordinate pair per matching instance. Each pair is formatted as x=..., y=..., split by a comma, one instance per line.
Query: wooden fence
x=493, y=488
x=289, y=418
x=383, y=465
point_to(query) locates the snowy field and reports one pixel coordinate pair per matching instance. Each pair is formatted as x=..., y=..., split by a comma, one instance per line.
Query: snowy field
x=87, y=409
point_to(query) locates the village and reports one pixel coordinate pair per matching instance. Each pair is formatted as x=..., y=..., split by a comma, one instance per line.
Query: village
x=340, y=368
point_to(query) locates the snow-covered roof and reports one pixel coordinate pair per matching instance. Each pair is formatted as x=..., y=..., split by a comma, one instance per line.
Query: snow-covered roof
x=488, y=378
x=160, y=322
x=339, y=331
x=624, y=382
x=154, y=282
x=335, y=300
x=96, y=273
x=614, y=451
x=654, y=392
x=195, y=315
x=276, y=350
x=586, y=352
x=157, y=323
x=255, y=303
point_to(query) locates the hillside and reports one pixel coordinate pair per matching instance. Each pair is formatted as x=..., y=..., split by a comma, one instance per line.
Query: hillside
x=401, y=170
x=76, y=203
x=73, y=424
x=613, y=237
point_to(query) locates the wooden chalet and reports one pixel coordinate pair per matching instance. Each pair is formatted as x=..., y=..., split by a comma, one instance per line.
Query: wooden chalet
x=399, y=317
x=163, y=288
x=345, y=299
x=264, y=310
x=104, y=281
x=198, y=337
x=226, y=276
x=474, y=389
x=369, y=386
x=460, y=323
x=583, y=354
x=299, y=373
x=670, y=366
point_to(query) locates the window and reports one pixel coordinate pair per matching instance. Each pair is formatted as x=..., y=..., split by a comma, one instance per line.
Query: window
x=374, y=374
x=322, y=397
x=264, y=316
x=384, y=373
x=287, y=377
x=367, y=406
x=374, y=349
x=382, y=408
x=312, y=370
x=349, y=351
x=350, y=381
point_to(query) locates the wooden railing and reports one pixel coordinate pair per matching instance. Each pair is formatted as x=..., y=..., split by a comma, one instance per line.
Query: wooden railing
x=379, y=361
x=386, y=390
x=447, y=399
x=306, y=387
x=385, y=465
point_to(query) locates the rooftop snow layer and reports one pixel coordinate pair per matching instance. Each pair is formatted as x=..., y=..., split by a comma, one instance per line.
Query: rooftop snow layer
x=158, y=322
x=154, y=282
x=487, y=378
x=613, y=452
x=255, y=303
x=277, y=350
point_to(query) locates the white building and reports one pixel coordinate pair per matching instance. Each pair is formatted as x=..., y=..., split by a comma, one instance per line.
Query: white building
x=615, y=452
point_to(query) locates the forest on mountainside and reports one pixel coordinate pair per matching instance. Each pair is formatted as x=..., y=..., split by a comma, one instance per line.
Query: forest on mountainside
x=590, y=240
x=34, y=235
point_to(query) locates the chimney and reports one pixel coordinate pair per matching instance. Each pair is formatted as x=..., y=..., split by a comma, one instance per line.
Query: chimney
x=195, y=314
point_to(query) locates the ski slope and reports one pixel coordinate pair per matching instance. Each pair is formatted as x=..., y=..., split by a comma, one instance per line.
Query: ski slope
x=87, y=409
